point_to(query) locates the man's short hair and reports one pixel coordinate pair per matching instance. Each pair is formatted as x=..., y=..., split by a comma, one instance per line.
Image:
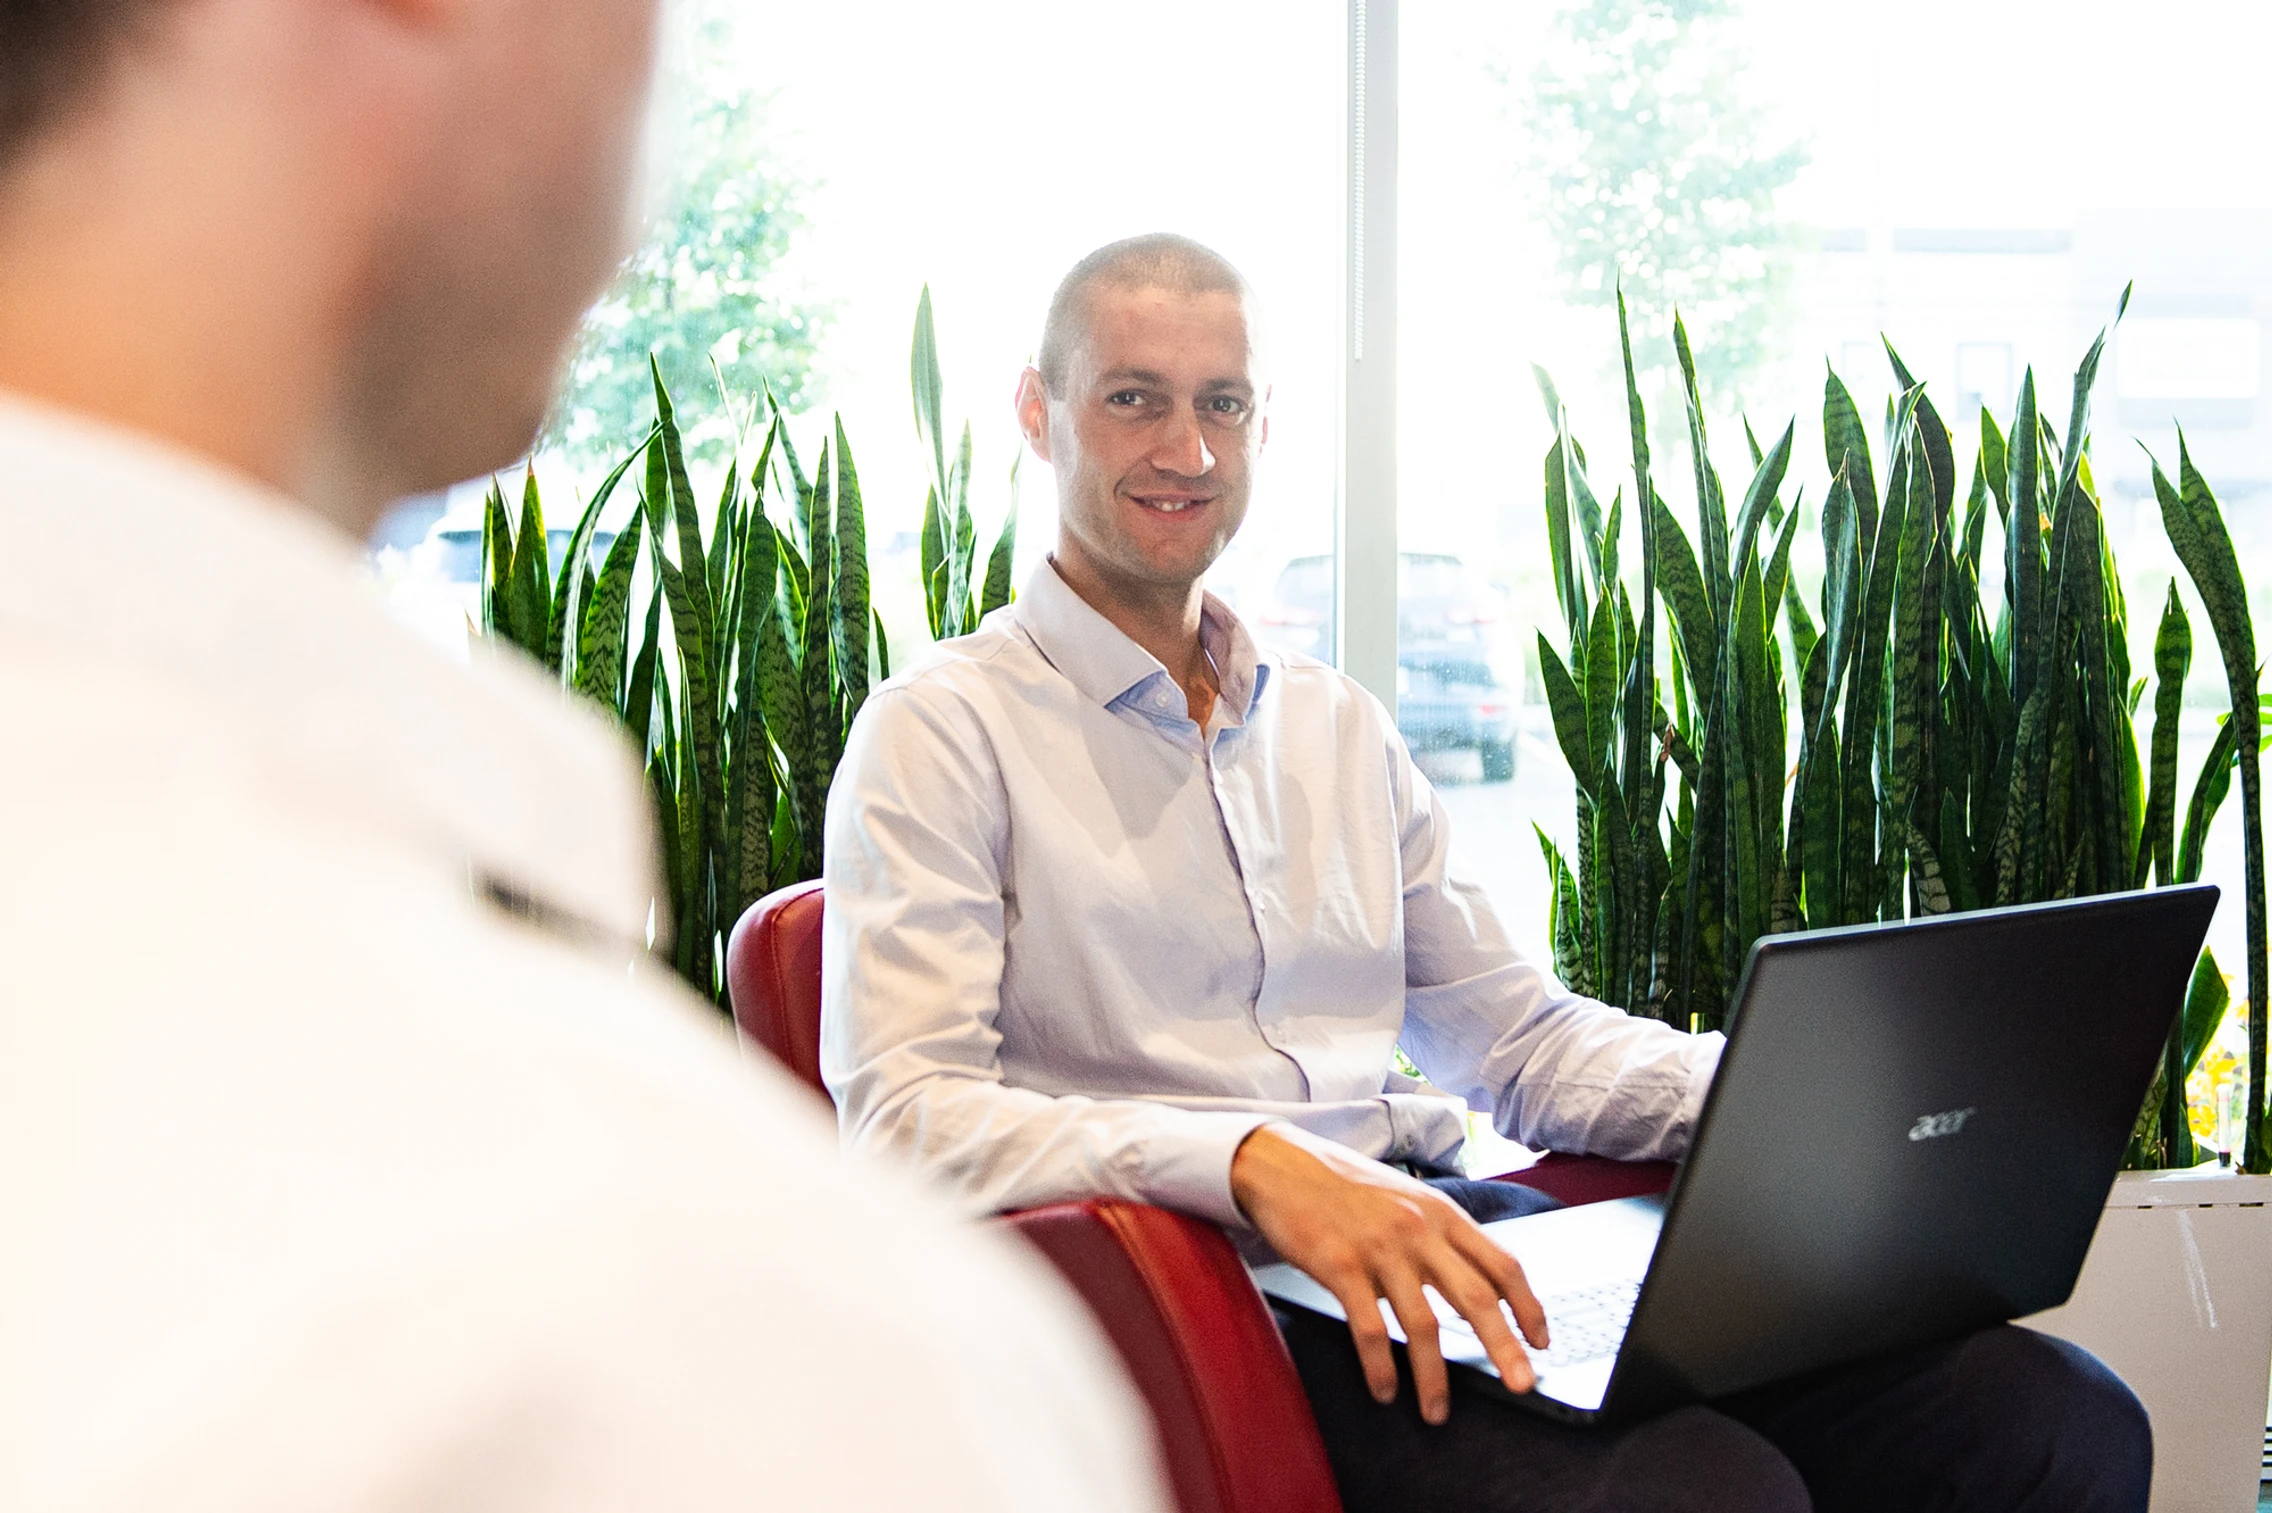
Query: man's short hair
x=51, y=53
x=1158, y=260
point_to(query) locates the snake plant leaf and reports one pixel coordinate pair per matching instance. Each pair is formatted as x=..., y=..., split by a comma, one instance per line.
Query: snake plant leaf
x=929, y=392
x=1605, y=670
x=2207, y=552
x=606, y=620
x=934, y=559
x=750, y=791
x=1926, y=875
x=530, y=592
x=1569, y=591
x=883, y=649
x=2196, y=529
x=848, y=611
x=1940, y=455
x=963, y=545
x=693, y=559
x=1778, y=579
x=569, y=595
x=824, y=723
x=1759, y=497
x=1846, y=447
x=1585, y=504
x=2210, y=788
x=2206, y=1000
x=496, y=564
x=720, y=577
x=2173, y=658
x=800, y=508
x=1865, y=692
x=1915, y=644
x=2023, y=543
x=1994, y=464
x=639, y=697
x=1682, y=585
x=788, y=852
x=1562, y=910
x=1841, y=586
x=999, y=590
x=781, y=693
x=1569, y=711
x=1711, y=506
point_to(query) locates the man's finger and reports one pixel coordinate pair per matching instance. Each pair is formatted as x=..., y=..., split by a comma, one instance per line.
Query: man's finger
x=1506, y=1276
x=1429, y=1383
x=1477, y=1300
x=1368, y=1331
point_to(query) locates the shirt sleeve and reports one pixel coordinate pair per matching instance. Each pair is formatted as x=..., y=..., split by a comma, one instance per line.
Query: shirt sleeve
x=1554, y=1070
x=912, y=958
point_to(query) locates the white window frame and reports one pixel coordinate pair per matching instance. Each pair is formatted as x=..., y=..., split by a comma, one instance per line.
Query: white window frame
x=1365, y=514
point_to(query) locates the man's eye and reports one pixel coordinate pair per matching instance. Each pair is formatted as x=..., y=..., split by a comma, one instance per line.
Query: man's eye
x=1227, y=404
x=1126, y=398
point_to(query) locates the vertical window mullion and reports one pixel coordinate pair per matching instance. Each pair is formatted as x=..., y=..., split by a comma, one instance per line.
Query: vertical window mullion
x=1366, y=610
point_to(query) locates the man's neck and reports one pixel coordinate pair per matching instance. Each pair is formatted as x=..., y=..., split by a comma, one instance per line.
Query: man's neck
x=1163, y=619
x=126, y=296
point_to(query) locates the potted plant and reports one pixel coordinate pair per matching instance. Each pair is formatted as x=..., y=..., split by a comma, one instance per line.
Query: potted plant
x=735, y=656
x=1912, y=756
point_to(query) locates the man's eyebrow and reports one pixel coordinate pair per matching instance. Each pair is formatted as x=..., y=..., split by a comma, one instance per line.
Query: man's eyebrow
x=1135, y=376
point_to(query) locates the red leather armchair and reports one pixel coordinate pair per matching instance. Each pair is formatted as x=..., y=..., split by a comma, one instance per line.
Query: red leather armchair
x=1169, y=1290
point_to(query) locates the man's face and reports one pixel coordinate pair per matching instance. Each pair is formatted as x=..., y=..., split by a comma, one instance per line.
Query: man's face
x=517, y=220
x=1155, y=435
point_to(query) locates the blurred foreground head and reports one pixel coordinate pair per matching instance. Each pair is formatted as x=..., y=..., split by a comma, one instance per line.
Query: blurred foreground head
x=340, y=245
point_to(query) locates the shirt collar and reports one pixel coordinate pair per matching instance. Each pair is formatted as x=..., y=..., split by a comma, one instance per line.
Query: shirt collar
x=1099, y=659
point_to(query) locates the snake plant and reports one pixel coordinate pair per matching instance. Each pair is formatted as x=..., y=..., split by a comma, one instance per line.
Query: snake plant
x=737, y=658
x=1908, y=756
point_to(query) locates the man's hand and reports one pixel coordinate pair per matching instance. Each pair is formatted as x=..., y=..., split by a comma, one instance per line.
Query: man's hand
x=1366, y=1232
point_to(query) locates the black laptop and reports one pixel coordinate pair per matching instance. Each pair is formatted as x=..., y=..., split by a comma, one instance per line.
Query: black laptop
x=1912, y=1133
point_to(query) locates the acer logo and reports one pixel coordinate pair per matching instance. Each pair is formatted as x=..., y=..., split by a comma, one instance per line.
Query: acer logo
x=1934, y=1126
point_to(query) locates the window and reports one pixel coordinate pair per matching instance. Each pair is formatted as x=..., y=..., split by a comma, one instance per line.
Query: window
x=981, y=153
x=1548, y=152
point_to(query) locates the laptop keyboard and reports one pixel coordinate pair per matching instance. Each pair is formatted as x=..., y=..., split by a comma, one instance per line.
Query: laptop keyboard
x=1586, y=1323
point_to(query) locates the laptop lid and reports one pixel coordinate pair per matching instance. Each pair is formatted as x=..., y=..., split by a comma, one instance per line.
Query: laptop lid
x=1911, y=1135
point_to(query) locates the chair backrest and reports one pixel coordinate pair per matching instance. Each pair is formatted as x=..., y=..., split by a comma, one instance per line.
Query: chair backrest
x=773, y=977
x=1169, y=1291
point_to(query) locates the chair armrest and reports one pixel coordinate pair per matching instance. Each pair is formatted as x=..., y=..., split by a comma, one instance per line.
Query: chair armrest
x=1199, y=1342
x=1593, y=1179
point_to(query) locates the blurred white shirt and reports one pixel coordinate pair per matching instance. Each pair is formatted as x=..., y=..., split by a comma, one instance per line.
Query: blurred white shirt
x=325, y=1182
x=1077, y=944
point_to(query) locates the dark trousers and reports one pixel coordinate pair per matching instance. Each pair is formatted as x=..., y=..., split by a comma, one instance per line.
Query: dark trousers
x=2006, y=1419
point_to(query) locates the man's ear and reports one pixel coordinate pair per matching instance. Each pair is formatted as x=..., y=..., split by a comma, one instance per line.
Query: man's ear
x=1033, y=412
x=1264, y=440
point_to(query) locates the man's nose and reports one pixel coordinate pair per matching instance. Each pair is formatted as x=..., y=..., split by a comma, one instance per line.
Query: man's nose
x=1182, y=447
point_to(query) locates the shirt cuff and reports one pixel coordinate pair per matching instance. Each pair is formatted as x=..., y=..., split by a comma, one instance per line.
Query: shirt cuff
x=1703, y=1065
x=1189, y=1170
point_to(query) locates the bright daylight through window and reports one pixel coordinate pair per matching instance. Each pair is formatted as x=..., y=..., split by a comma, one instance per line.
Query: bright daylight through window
x=1543, y=159
x=1774, y=172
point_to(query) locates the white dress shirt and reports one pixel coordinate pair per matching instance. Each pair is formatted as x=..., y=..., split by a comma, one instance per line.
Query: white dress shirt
x=327, y=1183
x=1078, y=944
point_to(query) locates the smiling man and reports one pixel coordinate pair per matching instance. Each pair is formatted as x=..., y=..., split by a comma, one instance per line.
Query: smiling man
x=1121, y=904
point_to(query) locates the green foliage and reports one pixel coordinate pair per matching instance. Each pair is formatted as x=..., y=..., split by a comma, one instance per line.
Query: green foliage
x=1649, y=146
x=702, y=291
x=950, y=541
x=1905, y=757
x=755, y=646
x=753, y=659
